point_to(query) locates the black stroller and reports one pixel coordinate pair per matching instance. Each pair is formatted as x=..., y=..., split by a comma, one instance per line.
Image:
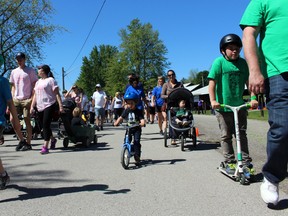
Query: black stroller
x=181, y=133
x=84, y=134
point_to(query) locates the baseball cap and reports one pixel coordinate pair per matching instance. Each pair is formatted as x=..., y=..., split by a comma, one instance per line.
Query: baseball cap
x=98, y=85
x=20, y=55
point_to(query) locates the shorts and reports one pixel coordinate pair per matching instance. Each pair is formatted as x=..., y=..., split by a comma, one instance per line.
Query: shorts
x=100, y=112
x=152, y=110
x=158, y=109
x=23, y=106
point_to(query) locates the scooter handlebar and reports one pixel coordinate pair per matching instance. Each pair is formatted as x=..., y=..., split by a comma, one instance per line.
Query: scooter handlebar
x=247, y=105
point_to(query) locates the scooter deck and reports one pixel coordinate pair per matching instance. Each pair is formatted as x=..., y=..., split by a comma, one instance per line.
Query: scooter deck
x=232, y=176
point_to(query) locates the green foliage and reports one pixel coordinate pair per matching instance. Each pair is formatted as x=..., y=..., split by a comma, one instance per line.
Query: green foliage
x=25, y=27
x=95, y=68
x=142, y=51
x=198, y=77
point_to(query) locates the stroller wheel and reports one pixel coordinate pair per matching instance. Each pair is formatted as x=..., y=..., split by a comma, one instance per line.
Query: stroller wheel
x=95, y=139
x=86, y=142
x=182, y=141
x=65, y=142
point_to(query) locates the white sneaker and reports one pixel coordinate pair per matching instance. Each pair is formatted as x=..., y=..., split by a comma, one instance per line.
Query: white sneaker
x=269, y=192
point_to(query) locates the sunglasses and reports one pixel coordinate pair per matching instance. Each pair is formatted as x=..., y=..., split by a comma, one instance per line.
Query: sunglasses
x=170, y=75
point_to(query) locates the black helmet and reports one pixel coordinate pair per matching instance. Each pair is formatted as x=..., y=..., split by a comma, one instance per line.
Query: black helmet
x=228, y=39
x=20, y=55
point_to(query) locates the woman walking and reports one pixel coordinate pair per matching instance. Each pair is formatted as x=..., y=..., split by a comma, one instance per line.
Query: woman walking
x=158, y=103
x=45, y=99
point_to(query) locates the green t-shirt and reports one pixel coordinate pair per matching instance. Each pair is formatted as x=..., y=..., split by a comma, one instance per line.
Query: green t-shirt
x=230, y=77
x=272, y=17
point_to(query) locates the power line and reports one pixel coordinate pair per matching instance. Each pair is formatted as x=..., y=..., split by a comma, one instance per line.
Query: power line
x=87, y=37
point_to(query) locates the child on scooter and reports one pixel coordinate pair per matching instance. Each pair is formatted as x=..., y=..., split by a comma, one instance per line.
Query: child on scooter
x=227, y=78
x=133, y=116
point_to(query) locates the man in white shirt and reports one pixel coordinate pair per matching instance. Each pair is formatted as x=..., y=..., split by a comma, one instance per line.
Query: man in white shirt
x=99, y=100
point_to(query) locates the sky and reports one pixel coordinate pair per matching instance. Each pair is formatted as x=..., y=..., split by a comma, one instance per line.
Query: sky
x=191, y=30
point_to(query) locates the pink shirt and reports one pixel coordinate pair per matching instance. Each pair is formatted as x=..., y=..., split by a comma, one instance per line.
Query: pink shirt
x=23, y=81
x=44, y=93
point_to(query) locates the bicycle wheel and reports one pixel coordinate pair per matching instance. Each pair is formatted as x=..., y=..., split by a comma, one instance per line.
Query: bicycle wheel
x=125, y=157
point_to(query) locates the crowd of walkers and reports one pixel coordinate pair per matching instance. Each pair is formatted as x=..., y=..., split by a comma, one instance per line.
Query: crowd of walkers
x=264, y=72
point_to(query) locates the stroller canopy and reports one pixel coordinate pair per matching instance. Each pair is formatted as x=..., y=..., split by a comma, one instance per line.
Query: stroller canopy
x=180, y=94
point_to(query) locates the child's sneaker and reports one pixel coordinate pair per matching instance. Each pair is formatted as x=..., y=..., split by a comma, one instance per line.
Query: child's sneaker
x=53, y=143
x=185, y=123
x=230, y=168
x=44, y=150
x=249, y=171
x=269, y=192
x=4, y=180
x=137, y=160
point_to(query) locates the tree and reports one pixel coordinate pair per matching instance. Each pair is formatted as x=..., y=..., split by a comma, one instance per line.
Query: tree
x=142, y=51
x=95, y=68
x=201, y=78
x=196, y=77
x=25, y=27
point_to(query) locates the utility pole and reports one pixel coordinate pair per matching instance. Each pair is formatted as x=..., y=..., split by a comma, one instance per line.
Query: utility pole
x=63, y=76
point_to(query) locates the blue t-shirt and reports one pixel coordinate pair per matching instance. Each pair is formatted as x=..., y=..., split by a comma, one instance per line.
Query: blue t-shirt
x=5, y=94
x=157, y=94
x=139, y=91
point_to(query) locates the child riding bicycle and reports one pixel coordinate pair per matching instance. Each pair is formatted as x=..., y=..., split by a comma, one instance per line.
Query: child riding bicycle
x=133, y=116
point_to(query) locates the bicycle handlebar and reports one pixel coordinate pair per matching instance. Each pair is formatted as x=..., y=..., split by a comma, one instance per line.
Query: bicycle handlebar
x=126, y=126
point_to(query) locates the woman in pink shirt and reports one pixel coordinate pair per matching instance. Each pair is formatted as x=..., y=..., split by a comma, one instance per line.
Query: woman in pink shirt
x=45, y=99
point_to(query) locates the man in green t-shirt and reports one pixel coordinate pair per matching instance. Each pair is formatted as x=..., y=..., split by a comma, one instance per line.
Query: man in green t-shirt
x=268, y=68
x=227, y=78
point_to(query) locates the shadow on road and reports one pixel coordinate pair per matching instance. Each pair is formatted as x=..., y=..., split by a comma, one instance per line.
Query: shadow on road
x=206, y=145
x=34, y=193
x=149, y=162
x=282, y=204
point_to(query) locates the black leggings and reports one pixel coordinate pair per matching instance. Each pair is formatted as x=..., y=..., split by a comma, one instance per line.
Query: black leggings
x=45, y=119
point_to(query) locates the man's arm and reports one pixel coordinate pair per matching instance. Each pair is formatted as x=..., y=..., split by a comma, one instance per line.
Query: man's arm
x=256, y=79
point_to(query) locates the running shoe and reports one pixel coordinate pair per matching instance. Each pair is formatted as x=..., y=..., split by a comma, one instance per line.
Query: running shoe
x=26, y=147
x=230, y=168
x=4, y=180
x=20, y=145
x=44, y=150
x=269, y=192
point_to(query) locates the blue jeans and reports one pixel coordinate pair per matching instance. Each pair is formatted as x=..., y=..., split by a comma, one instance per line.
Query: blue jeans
x=275, y=168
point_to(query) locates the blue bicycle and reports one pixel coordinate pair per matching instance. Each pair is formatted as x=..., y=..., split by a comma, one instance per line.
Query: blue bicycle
x=127, y=149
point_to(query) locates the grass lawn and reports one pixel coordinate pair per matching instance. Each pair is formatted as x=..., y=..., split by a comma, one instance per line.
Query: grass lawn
x=258, y=114
x=252, y=114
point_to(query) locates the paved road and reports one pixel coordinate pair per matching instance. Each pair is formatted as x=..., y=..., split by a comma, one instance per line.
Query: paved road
x=80, y=181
